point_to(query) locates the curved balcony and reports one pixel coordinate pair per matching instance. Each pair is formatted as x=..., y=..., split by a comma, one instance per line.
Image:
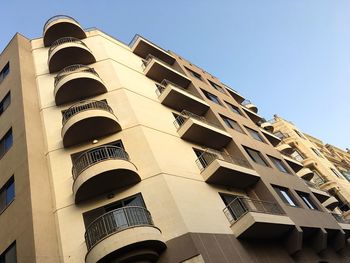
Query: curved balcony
x=285, y=148
x=309, y=162
x=61, y=26
x=68, y=51
x=126, y=234
x=266, y=125
x=249, y=105
x=102, y=170
x=306, y=174
x=77, y=82
x=86, y=121
x=331, y=203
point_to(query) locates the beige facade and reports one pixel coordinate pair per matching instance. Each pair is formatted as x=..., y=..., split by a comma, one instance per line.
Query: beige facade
x=130, y=153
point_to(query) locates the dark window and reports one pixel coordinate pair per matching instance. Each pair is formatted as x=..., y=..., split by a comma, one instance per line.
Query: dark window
x=135, y=200
x=217, y=87
x=256, y=156
x=194, y=74
x=6, y=143
x=279, y=135
x=118, y=143
x=307, y=200
x=7, y=194
x=346, y=174
x=336, y=173
x=297, y=156
x=279, y=164
x=4, y=72
x=231, y=124
x=233, y=108
x=254, y=134
x=317, y=152
x=212, y=97
x=6, y=101
x=299, y=134
x=239, y=207
x=9, y=255
x=285, y=195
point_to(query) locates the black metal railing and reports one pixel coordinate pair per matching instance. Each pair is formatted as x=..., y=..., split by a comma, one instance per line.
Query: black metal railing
x=340, y=218
x=84, y=106
x=185, y=115
x=77, y=68
x=206, y=158
x=116, y=221
x=242, y=205
x=97, y=155
x=162, y=86
x=65, y=40
x=54, y=18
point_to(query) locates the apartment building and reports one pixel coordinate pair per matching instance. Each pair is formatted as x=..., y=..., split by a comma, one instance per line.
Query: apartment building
x=114, y=152
x=326, y=171
x=339, y=158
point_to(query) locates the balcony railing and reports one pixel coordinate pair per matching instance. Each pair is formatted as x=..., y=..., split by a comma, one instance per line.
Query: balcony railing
x=96, y=155
x=162, y=86
x=340, y=218
x=57, y=18
x=206, y=158
x=65, y=40
x=116, y=221
x=242, y=205
x=84, y=106
x=73, y=69
x=185, y=115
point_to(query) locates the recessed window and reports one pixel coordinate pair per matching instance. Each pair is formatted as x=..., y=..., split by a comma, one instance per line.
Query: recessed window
x=212, y=97
x=279, y=164
x=231, y=123
x=317, y=152
x=7, y=194
x=233, y=108
x=6, y=101
x=255, y=134
x=6, y=143
x=9, y=255
x=336, y=173
x=217, y=87
x=285, y=195
x=297, y=156
x=135, y=200
x=307, y=200
x=346, y=174
x=194, y=74
x=4, y=72
x=256, y=156
x=299, y=134
x=317, y=179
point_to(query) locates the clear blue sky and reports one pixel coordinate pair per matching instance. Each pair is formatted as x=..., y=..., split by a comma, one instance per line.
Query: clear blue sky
x=290, y=57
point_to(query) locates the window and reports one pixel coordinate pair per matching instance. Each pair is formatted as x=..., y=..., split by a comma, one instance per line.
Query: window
x=217, y=87
x=279, y=135
x=317, y=179
x=256, y=156
x=9, y=255
x=285, y=195
x=212, y=97
x=231, y=124
x=279, y=164
x=346, y=174
x=6, y=143
x=254, y=134
x=233, y=108
x=317, y=152
x=297, y=155
x=336, y=173
x=307, y=200
x=7, y=194
x=194, y=74
x=135, y=200
x=6, y=101
x=4, y=72
x=299, y=134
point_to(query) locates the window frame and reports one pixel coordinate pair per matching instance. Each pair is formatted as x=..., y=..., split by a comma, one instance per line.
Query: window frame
x=307, y=200
x=5, y=71
x=286, y=196
x=209, y=96
x=3, y=106
x=4, y=146
x=278, y=163
x=10, y=183
x=194, y=73
x=248, y=149
x=233, y=108
x=216, y=86
x=6, y=252
x=255, y=132
x=228, y=122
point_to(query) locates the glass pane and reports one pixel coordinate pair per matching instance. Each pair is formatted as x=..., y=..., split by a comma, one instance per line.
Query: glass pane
x=287, y=197
x=10, y=256
x=2, y=201
x=10, y=193
x=8, y=141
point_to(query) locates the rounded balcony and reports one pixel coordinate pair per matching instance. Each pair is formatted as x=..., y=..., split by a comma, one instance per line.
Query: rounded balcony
x=77, y=82
x=285, y=148
x=87, y=121
x=68, y=51
x=306, y=174
x=126, y=234
x=249, y=105
x=309, y=162
x=61, y=26
x=101, y=170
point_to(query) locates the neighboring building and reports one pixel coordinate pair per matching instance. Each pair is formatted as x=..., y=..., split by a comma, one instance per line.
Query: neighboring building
x=340, y=159
x=130, y=153
x=324, y=172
